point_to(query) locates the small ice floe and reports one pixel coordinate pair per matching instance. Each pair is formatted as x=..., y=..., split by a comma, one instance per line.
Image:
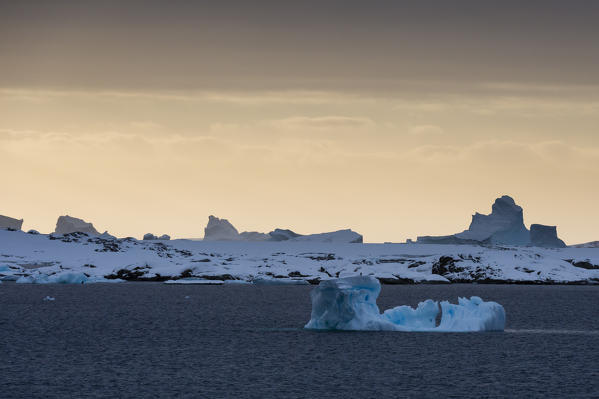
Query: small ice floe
x=350, y=304
x=49, y=298
x=60, y=278
x=194, y=281
x=279, y=281
x=64, y=278
x=187, y=297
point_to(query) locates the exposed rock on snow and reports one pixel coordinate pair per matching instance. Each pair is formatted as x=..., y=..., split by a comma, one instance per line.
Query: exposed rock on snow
x=545, y=236
x=220, y=230
x=50, y=258
x=503, y=226
x=10, y=223
x=67, y=224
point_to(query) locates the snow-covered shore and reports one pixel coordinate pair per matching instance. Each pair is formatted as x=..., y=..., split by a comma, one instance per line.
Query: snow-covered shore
x=78, y=257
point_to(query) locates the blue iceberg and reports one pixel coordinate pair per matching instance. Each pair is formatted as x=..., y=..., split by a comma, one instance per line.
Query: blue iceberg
x=350, y=304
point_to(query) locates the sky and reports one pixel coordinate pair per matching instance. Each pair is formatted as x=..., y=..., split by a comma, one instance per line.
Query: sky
x=395, y=119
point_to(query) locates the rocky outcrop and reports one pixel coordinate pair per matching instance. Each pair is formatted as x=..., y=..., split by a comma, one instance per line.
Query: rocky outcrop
x=67, y=224
x=545, y=236
x=10, y=223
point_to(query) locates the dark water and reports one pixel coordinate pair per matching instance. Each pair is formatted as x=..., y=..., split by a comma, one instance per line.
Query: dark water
x=147, y=340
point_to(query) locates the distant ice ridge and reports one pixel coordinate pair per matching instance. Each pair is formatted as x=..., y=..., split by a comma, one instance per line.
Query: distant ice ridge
x=222, y=230
x=350, y=304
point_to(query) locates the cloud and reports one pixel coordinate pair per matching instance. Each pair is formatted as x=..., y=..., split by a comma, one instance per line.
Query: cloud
x=245, y=98
x=322, y=122
x=507, y=154
x=145, y=125
x=427, y=130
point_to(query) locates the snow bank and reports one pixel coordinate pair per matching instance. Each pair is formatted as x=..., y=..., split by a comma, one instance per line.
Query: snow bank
x=350, y=304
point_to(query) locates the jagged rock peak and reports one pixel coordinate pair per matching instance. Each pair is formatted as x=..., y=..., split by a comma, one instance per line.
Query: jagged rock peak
x=10, y=223
x=219, y=229
x=67, y=224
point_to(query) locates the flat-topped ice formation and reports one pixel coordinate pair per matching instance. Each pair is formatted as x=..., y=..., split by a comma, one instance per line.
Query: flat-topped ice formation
x=350, y=304
x=287, y=262
x=503, y=226
x=545, y=236
x=222, y=230
x=67, y=225
x=10, y=223
x=150, y=237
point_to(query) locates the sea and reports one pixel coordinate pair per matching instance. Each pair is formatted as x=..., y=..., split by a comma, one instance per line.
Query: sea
x=153, y=340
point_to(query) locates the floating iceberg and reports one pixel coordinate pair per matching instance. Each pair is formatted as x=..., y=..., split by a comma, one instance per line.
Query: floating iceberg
x=350, y=304
x=197, y=281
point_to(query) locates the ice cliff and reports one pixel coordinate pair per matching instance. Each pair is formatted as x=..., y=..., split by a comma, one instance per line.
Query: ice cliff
x=503, y=226
x=67, y=224
x=222, y=230
x=10, y=223
x=545, y=236
x=350, y=304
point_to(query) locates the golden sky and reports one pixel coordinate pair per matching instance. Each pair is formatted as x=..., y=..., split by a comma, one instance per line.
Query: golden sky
x=392, y=122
